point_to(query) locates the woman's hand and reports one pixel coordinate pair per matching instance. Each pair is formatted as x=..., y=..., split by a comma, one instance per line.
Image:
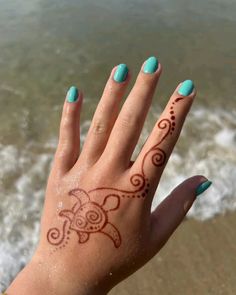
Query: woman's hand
x=97, y=227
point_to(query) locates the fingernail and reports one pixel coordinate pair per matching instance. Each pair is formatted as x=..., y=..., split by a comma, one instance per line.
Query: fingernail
x=121, y=73
x=203, y=187
x=72, y=94
x=186, y=88
x=151, y=65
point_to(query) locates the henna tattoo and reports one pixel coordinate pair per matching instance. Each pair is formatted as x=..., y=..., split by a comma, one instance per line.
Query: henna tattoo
x=88, y=217
x=55, y=237
x=159, y=156
x=138, y=181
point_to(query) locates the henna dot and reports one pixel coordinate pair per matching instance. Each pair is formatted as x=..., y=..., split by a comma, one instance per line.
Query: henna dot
x=146, y=191
x=173, y=123
x=172, y=112
x=143, y=194
x=172, y=117
x=91, y=227
x=173, y=129
x=171, y=108
x=68, y=232
x=171, y=133
x=68, y=238
x=148, y=185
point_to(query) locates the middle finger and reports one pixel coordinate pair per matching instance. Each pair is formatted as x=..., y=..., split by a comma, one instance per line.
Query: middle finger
x=129, y=123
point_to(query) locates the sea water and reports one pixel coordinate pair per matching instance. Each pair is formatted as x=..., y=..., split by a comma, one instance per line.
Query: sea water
x=46, y=46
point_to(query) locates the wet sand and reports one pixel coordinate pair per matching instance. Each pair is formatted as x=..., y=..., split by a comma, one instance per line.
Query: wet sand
x=199, y=259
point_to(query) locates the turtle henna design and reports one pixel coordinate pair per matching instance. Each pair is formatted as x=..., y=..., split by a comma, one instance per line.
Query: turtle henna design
x=88, y=217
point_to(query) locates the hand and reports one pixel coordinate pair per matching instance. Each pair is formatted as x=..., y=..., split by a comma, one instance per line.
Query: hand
x=97, y=227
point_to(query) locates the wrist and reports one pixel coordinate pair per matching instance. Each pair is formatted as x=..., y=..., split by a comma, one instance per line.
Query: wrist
x=30, y=280
x=40, y=277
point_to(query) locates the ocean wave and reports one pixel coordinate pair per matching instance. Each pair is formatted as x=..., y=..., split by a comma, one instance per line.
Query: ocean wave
x=207, y=147
x=21, y=203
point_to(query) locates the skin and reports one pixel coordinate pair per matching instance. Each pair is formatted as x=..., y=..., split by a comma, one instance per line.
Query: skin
x=97, y=265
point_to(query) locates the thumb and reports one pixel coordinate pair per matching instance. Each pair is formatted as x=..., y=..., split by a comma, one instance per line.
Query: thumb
x=170, y=213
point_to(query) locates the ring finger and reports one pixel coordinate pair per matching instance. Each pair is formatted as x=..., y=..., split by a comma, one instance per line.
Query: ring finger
x=158, y=148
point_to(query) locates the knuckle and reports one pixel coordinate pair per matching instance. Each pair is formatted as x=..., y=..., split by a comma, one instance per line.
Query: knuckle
x=129, y=120
x=99, y=127
x=63, y=148
x=66, y=122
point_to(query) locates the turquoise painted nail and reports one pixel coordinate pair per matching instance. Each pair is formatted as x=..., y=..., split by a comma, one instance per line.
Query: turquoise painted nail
x=203, y=187
x=72, y=94
x=186, y=88
x=151, y=65
x=121, y=73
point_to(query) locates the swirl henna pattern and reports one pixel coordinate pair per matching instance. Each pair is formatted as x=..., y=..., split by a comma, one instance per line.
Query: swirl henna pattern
x=87, y=217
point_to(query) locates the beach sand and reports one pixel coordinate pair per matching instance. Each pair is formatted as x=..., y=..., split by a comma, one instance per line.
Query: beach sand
x=200, y=258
